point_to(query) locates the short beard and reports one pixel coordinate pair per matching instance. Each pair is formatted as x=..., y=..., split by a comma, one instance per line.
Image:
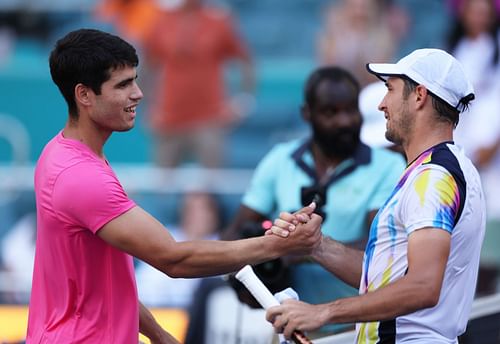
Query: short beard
x=393, y=137
x=403, y=126
x=341, y=143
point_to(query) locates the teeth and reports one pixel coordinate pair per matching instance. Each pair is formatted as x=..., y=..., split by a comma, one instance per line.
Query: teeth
x=130, y=109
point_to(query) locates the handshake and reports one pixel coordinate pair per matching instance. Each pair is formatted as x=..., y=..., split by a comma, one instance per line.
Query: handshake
x=298, y=234
x=300, y=231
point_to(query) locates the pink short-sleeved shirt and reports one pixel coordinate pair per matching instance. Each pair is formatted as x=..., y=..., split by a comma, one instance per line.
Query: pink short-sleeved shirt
x=83, y=289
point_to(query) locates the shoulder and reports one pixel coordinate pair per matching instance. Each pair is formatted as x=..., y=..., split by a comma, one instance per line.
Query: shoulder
x=87, y=167
x=61, y=159
x=284, y=150
x=441, y=168
x=436, y=162
x=451, y=160
x=85, y=174
x=89, y=189
x=445, y=155
x=288, y=147
x=278, y=160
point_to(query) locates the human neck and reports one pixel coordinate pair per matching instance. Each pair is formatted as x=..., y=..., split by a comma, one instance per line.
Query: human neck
x=95, y=140
x=422, y=142
x=323, y=162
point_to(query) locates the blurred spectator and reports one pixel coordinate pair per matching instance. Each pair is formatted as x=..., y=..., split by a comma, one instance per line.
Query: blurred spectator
x=474, y=41
x=200, y=219
x=132, y=19
x=18, y=255
x=348, y=179
x=25, y=22
x=190, y=113
x=357, y=31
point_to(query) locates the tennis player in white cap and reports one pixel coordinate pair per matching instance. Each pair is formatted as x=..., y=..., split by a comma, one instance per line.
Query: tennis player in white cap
x=418, y=273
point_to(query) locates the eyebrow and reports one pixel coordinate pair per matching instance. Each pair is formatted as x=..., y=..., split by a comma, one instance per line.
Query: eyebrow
x=126, y=81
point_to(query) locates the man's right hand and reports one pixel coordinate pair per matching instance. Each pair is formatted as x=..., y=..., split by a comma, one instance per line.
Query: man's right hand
x=288, y=222
x=302, y=229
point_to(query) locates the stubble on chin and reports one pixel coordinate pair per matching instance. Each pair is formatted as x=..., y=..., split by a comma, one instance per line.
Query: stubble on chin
x=391, y=137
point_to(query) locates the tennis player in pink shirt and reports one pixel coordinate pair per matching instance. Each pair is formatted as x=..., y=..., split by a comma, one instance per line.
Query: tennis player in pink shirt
x=88, y=230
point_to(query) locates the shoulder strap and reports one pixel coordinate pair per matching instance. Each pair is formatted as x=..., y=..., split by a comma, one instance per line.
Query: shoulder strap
x=362, y=156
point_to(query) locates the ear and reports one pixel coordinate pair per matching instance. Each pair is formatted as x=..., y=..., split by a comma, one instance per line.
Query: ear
x=421, y=96
x=306, y=113
x=83, y=95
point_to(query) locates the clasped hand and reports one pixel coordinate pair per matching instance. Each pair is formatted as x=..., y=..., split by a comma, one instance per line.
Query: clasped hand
x=304, y=226
x=295, y=315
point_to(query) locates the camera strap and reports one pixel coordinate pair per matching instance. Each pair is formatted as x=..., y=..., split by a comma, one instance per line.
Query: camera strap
x=362, y=156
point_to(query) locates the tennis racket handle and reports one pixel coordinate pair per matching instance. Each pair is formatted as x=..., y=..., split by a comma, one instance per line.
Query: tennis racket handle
x=250, y=280
x=299, y=338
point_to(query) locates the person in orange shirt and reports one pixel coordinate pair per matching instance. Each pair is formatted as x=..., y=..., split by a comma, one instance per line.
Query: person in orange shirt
x=190, y=111
x=132, y=18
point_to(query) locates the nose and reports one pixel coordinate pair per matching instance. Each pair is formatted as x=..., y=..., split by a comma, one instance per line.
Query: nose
x=382, y=104
x=137, y=93
x=345, y=119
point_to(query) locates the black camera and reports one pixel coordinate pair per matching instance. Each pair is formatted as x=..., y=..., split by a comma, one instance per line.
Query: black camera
x=274, y=273
x=317, y=194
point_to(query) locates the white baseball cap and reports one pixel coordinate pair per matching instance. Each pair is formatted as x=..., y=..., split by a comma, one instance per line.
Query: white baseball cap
x=437, y=70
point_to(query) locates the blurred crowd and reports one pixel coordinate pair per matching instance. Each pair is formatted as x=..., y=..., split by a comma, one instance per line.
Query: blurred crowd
x=200, y=71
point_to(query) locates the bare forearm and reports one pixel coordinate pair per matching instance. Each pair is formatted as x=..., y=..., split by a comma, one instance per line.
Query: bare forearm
x=142, y=236
x=419, y=288
x=204, y=258
x=399, y=298
x=151, y=329
x=344, y=262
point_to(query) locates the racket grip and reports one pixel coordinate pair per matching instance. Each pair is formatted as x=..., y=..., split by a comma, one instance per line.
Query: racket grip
x=250, y=280
x=299, y=338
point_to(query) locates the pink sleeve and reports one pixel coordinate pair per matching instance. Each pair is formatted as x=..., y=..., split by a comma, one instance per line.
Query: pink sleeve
x=89, y=195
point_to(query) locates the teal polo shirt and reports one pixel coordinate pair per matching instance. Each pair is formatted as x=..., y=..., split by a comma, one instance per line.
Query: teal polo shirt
x=360, y=184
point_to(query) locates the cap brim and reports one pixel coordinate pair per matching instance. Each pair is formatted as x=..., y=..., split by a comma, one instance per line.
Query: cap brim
x=383, y=70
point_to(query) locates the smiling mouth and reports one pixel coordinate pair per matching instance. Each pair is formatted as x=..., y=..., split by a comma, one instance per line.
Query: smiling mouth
x=131, y=109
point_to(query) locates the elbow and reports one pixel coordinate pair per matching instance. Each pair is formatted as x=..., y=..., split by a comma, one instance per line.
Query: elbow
x=428, y=302
x=169, y=266
x=430, y=297
x=424, y=290
x=174, y=269
x=433, y=299
x=173, y=273
x=180, y=267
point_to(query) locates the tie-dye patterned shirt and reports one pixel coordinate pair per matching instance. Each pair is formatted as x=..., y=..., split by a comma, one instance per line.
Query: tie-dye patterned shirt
x=440, y=189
